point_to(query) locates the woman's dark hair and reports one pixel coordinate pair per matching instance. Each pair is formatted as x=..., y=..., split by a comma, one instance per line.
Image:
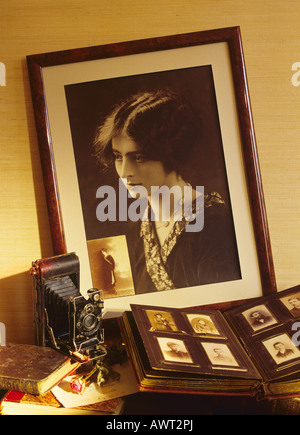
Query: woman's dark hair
x=162, y=124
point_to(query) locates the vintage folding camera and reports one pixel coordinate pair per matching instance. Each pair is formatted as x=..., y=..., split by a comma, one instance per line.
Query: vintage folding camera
x=63, y=318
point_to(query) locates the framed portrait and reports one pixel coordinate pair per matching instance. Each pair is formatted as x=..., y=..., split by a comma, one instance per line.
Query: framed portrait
x=282, y=349
x=219, y=354
x=161, y=321
x=115, y=120
x=259, y=317
x=174, y=350
x=292, y=303
x=202, y=324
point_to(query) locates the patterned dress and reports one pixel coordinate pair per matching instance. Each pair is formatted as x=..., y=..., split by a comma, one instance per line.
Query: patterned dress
x=186, y=258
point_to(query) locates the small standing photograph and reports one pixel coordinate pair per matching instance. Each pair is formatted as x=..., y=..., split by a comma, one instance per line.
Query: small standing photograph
x=174, y=350
x=110, y=266
x=202, y=324
x=281, y=348
x=259, y=317
x=161, y=321
x=292, y=303
x=219, y=354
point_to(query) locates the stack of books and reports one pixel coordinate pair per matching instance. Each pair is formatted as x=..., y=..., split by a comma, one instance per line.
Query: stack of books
x=38, y=380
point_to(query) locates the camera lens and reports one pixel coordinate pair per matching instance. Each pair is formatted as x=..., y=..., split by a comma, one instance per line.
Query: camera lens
x=87, y=318
x=89, y=322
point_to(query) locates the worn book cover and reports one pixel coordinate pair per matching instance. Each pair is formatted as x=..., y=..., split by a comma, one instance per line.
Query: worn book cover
x=246, y=350
x=32, y=369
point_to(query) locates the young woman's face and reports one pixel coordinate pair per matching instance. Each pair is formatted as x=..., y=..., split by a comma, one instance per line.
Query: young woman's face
x=131, y=163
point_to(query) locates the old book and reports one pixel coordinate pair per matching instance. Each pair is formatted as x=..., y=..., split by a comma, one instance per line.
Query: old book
x=251, y=349
x=32, y=369
x=16, y=403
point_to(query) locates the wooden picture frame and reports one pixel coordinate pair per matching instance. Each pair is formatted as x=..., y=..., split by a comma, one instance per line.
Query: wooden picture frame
x=218, y=52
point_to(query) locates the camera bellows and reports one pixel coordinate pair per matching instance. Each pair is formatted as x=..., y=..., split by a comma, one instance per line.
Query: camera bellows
x=58, y=292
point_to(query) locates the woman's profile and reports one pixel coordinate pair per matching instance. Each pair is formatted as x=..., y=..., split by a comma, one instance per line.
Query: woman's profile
x=149, y=138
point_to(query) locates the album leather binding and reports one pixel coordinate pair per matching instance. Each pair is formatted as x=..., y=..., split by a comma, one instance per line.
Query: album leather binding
x=248, y=350
x=32, y=369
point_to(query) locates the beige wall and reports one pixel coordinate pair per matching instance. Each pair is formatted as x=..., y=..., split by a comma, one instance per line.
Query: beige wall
x=271, y=39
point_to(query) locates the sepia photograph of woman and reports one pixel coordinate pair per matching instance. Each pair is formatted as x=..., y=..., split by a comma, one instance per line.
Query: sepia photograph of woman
x=150, y=138
x=156, y=139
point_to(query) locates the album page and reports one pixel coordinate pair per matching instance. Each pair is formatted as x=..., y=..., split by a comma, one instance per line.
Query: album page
x=268, y=328
x=191, y=341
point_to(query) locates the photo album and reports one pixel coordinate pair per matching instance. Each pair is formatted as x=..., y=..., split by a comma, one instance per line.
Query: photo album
x=250, y=349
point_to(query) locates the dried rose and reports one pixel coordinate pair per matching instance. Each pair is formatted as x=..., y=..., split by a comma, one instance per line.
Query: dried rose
x=78, y=385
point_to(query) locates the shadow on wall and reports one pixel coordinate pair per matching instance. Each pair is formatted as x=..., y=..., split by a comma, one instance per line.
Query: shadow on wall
x=16, y=295
x=16, y=307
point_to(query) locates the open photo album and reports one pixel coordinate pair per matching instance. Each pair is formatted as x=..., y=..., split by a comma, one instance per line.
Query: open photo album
x=251, y=349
